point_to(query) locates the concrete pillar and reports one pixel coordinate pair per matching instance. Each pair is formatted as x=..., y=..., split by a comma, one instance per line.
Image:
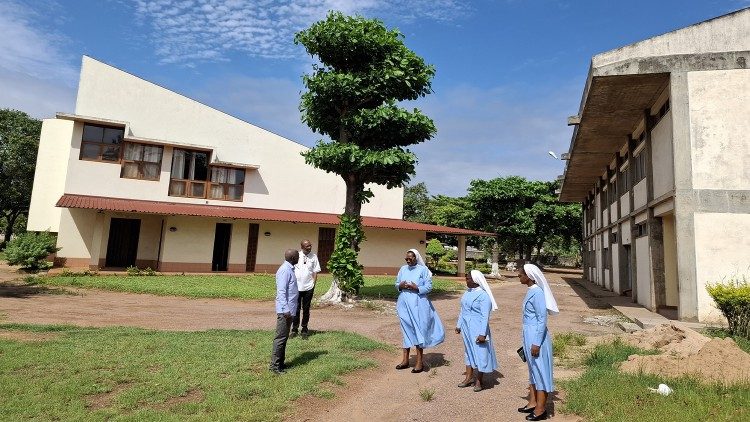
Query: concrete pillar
x=461, y=256
x=633, y=261
x=655, y=230
x=96, y=241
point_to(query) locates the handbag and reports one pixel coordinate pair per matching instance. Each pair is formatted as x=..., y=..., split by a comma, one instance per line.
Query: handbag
x=521, y=353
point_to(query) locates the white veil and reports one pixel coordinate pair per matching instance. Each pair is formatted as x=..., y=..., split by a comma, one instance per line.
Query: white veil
x=420, y=261
x=535, y=274
x=478, y=278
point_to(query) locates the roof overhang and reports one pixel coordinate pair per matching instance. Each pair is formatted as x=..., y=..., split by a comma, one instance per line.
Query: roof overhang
x=614, y=101
x=242, y=213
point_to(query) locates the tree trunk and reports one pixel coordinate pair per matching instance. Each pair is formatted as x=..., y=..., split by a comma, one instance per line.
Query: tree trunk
x=495, y=254
x=528, y=252
x=10, y=219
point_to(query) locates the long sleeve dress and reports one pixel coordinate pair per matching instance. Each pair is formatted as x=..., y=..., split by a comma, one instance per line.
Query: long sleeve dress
x=535, y=333
x=420, y=324
x=474, y=321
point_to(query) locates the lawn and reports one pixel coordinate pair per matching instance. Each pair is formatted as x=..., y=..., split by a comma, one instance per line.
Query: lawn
x=602, y=393
x=252, y=286
x=135, y=374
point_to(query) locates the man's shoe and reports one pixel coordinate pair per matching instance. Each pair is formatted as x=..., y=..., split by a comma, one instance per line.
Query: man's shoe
x=293, y=334
x=278, y=371
x=305, y=335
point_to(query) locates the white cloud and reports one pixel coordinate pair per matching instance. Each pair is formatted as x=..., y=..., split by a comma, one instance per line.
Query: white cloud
x=35, y=76
x=193, y=31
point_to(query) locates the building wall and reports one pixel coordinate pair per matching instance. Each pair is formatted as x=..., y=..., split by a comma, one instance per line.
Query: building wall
x=662, y=163
x=283, y=180
x=643, y=272
x=640, y=197
x=670, y=260
x=49, y=184
x=721, y=253
x=720, y=129
x=76, y=236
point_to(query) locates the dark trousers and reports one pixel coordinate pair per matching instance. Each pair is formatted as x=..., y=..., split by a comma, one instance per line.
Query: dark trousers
x=279, y=342
x=303, y=307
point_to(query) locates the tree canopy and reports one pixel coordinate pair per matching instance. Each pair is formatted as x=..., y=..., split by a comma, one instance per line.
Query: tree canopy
x=353, y=97
x=19, y=141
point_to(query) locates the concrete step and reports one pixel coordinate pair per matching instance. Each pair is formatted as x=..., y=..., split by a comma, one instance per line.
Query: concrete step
x=628, y=327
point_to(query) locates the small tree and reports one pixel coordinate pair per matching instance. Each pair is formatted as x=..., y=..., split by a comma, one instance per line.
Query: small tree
x=435, y=250
x=352, y=97
x=30, y=250
x=733, y=300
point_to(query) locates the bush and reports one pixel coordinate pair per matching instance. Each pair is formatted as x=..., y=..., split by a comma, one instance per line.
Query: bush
x=733, y=300
x=134, y=271
x=30, y=250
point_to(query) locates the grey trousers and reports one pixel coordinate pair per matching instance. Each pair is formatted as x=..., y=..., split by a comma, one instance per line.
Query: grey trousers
x=279, y=342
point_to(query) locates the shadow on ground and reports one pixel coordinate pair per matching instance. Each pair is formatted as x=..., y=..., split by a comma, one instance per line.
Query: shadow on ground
x=17, y=290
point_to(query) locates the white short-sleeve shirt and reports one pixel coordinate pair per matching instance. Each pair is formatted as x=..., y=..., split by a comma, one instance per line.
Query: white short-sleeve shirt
x=304, y=270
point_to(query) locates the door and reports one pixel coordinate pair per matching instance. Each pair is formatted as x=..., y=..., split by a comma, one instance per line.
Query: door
x=122, y=245
x=221, y=247
x=326, y=240
x=252, y=248
x=626, y=276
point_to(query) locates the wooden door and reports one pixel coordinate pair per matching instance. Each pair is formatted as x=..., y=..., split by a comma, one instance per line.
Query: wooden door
x=326, y=240
x=221, y=247
x=252, y=248
x=122, y=245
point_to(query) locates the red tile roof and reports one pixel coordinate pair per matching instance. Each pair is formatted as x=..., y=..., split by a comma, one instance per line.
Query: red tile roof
x=200, y=210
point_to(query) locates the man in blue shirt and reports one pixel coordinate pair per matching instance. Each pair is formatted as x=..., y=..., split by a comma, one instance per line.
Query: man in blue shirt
x=286, y=308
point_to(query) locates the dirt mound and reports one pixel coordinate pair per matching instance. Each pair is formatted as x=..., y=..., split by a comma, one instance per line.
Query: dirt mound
x=686, y=352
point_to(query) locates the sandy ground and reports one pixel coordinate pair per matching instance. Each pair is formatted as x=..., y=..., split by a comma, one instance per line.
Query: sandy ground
x=382, y=393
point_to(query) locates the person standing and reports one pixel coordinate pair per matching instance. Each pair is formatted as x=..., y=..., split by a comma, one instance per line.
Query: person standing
x=286, y=309
x=420, y=324
x=474, y=326
x=306, y=270
x=537, y=341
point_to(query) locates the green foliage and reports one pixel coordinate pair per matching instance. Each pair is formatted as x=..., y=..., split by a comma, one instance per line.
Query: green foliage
x=353, y=97
x=19, y=142
x=427, y=394
x=134, y=271
x=98, y=374
x=416, y=200
x=86, y=273
x=561, y=342
x=733, y=300
x=435, y=250
x=30, y=250
x=343, y=263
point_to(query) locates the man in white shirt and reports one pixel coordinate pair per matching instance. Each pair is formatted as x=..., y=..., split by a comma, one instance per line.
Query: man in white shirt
x=306, y=270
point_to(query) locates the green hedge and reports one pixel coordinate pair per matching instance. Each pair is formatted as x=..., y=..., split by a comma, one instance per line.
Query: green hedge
x=733, y=300
x=30, y=250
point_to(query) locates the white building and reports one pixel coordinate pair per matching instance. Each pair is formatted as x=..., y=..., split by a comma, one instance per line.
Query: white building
x=140, y=175
x=660, y=159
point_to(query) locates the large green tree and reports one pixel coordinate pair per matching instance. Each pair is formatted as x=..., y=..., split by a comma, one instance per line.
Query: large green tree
x=19, y=141
x=416, y=201
x=353, y=96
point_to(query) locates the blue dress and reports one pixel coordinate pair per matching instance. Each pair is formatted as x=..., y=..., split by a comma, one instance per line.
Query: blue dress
x=420, y=324
x=535, y=332
x=474, y=321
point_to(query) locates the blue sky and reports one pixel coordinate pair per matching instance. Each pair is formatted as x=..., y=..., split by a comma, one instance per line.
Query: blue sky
x=509, y=72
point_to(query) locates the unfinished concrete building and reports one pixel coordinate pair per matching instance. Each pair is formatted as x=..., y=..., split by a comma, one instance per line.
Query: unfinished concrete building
x=660, y=160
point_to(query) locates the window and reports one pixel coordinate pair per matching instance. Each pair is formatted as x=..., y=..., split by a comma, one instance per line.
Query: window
x=639, y=171
x=612, y=192
x=189, y=173
x=623, y=179
x=606, y=258
x=227, y=183
x=141, y=161
x=613, y=238
x=101, y=143
x=641, y=230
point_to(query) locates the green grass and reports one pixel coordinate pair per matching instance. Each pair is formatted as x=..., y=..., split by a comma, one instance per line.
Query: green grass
x=742, y=342
x=602, y=393
x=252, y=286
x=141, y=374
x=2, y=255
x=561, y=342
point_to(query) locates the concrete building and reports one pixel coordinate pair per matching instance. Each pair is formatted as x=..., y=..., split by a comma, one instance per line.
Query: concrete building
x=660, y=160
x=140, y=175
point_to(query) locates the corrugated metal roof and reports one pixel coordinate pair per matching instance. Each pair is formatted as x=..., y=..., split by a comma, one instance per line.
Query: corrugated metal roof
x=243, y=213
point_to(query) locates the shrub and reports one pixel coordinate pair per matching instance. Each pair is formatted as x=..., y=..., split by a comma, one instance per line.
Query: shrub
x=435, y=251
x=733, y=300
x=133, y=271
x=30, y=250
x=86, y=273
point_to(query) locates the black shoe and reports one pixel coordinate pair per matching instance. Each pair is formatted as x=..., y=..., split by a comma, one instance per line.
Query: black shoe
x=277, y=371
x=466, y=384
x=416, y=371
x=526, y=409
x=305, y=335
x=477, y=388
x=532, y=417
x=293, y=334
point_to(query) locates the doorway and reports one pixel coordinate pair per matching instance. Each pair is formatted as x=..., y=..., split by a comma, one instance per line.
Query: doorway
x=326, y=240
x=252, y=248
x=122, y=245
x=626, y=277
x=223, y=235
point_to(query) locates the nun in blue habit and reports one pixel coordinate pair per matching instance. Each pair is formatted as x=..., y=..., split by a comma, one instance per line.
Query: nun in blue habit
x=474, y=326
x=420, y=324
x=537, y=341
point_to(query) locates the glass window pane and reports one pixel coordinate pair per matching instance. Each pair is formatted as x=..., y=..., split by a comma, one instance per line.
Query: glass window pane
x=133, y=152
x=111, y=153
x=90, y=151
x=92, y=133
x=179, y=164
x=177, y=188
x=218, y=175
x=112, y=135
x=216, y=192
x=201, y=166
x=234, y=192
x=150, y=171
x=198, y=190
x=129, y=170
x=236, y=176
x=152, y=154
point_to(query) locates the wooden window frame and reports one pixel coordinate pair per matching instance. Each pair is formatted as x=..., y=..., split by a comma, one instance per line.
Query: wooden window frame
x=225, y=186
x=101, y=145
x=140, y=163
x=189, y=182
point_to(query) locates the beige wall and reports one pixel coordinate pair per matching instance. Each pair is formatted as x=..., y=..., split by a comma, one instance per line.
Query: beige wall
x=615, y=267
x=662, y=162
x=625, y=204
x=722, y=251
x=49, y=182
x=76, y=233
x=670, y=260
x=720, y=129
x=643, y=272
x=283, y=181
x=387, y=248
x=639, y=194
x=191, y=242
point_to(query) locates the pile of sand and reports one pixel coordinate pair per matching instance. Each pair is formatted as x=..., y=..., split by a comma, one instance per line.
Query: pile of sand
x=685, y=352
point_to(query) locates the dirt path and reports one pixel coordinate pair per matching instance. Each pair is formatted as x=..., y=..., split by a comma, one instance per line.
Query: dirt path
x=379, y=394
